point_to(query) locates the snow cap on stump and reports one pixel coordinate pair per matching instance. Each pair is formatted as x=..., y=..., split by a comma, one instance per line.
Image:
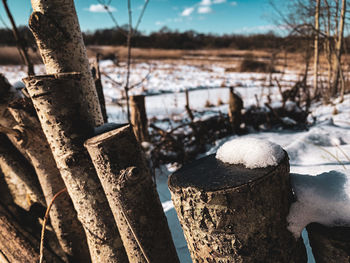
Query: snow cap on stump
x=251, y=152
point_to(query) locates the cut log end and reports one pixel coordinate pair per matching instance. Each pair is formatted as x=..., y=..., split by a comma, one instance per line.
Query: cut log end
x=211, y=174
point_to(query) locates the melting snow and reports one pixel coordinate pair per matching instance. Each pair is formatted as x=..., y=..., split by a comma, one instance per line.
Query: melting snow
x=323, y=199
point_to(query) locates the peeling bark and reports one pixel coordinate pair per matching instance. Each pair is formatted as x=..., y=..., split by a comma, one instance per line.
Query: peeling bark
x=233, y=214
x=57, y=32
x=61, y=107
x=329, y=244
x=63, y=217
x=132, y=195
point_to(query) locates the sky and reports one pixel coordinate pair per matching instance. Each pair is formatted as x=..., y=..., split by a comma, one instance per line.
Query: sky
x=205, y=16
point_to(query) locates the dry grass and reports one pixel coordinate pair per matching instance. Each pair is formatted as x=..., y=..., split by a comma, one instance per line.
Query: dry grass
x=230, y=59
x=10, y=56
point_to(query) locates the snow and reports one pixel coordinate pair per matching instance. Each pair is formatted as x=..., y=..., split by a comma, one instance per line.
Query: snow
x=251, y=152
x=324, y=199
x=324, y=147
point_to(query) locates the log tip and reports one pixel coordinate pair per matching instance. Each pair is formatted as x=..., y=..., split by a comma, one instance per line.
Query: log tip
x=210, y=174
x=106, y=132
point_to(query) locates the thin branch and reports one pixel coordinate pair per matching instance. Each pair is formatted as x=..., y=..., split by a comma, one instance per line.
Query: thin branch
x=143, y=80
x=45, y=222
x=21, y=46
x=141, y=15
x=110, y=79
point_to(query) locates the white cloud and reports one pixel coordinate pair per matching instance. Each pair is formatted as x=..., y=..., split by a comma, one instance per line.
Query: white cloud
x=234, y=3
x=219, y=1
x=159, y=23
x=204, y=10
x=98, y=8
x=205, y=2
x=187, y=11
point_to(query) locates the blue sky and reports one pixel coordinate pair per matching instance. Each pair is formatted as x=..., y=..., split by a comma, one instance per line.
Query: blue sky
x=207, y=16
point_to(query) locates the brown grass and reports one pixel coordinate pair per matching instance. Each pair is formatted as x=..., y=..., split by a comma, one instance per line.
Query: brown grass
x=10, y=56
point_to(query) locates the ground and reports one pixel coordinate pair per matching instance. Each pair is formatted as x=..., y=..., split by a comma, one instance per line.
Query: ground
x=323, y=146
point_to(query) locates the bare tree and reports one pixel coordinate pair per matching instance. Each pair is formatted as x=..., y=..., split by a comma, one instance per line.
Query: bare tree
x=338, y=49
x=129, y=35
x=316, y=45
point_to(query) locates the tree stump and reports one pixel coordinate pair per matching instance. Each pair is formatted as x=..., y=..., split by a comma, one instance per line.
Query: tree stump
x=235, y=111
x=329, y=244
x=139, y=119
x=132, y=196
x=66, y=122
x=233, y=214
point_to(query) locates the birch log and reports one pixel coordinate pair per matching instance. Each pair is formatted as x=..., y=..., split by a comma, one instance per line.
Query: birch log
x=132, y=195
x=17, y=245
x=56, y=29
x=19, y=176
x=233, y=214
x=61, y=108
x=63, y=217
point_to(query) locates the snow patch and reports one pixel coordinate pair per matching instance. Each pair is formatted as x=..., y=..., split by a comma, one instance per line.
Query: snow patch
x=323, y=199
x=251, y=152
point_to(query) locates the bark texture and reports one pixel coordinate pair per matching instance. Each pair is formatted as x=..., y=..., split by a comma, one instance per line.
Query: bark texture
x=132, y=195
x=329, y=244
x=17, y=245
x=60, y=105
x=8, y=94
x=57, y=32
x=235, y=110
x=139, y=119
x=19, y=176
x=233, y=214
x=63, y=217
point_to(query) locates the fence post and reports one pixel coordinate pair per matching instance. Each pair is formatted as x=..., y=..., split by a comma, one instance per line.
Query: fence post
x=235, y=108
x=139, y=117
x=233, y=214
x=329, y=244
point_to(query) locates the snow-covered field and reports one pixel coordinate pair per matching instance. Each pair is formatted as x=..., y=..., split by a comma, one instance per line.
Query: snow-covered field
x=325, y=146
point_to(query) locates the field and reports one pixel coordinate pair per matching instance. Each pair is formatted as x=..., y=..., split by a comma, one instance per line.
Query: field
x=164, y=75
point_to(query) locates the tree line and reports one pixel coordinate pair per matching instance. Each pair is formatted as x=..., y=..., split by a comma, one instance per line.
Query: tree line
x=172, y=39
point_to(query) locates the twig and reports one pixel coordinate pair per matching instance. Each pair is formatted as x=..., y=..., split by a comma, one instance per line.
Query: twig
x=112, y=80
x=21, y=46
x=143, y=80
x=344, y=153
x=332, y=155
x=45, y=222
x=141, y=15
x=134, y=234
